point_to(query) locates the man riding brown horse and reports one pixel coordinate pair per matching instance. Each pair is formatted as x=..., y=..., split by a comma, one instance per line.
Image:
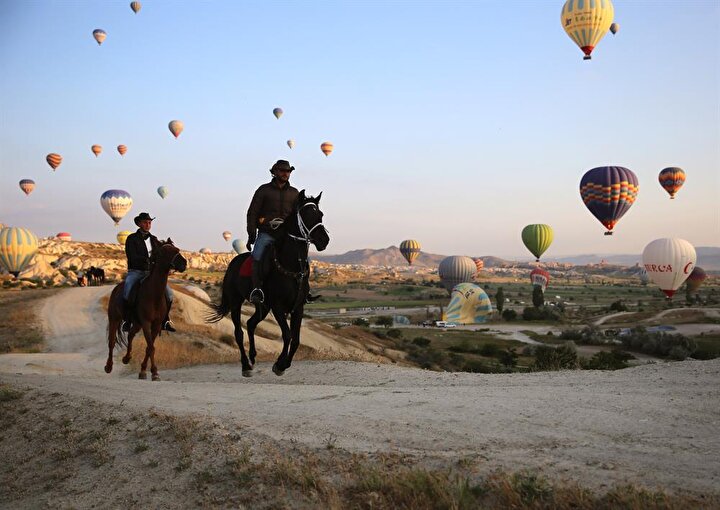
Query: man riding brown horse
x=270, y=205
x=139, y=248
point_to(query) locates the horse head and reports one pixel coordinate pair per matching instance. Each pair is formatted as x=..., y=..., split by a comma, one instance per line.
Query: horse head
x=309, y=218
x=169, y=256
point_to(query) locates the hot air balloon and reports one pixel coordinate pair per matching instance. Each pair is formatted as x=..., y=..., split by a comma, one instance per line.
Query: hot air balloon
x=277, y=112
x=672, y=179
x=608, y=192
x=537, y=238
x=116, y=203
x=291, y=143
x=17, y=248
x=205, y=250
x=697, y=276
x=456, y=269
x=97, y=149
x=135, y=6
x=227, y=235
x=27, y=185
x=479, y=264
x=122, y=236
x=469, y=304
x=239, y=246
x=99, y=35
x=163, y=191
x=614, y=28
x=540, y=277
x=410, y=249
x=176, y=127
x=53, y=160
x=122, y=149
x=669, y=262
x=586, y=22
x=63, y=236
x=327, y=148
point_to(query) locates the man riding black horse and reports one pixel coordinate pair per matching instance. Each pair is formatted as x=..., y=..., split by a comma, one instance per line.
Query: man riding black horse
x=271, y=203
x=139, y=247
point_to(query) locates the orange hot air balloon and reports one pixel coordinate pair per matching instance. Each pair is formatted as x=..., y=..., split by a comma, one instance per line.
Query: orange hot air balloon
x=53, y=160
x=99, y=35
x=176, y=127
x=135, y=6
x=327, y=148
x=97, y=149
x=479, y=263
x=672, y=179
x=122, y=149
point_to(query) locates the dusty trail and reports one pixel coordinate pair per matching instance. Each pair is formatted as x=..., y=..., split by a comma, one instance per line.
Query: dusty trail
x=655, y=425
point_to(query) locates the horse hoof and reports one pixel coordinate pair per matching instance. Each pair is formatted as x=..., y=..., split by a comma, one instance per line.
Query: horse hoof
x=126, y=360
x=142, y=375
x=108, y=369
x=155, y=377
x=277, y=371
x=247, y=373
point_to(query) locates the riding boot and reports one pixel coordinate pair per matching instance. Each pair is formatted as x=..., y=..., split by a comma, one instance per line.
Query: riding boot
x=309, y=298
x=257, y=296
x=167, y=325
x=127, y=315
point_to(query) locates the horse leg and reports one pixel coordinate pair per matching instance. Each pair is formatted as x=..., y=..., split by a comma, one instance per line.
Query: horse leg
x=236, y=317
x=281, y=363
x=153, y=366
x=131, y=334
x=112, y=332
x=252, y=323
x=148, y=339
x=295, y=323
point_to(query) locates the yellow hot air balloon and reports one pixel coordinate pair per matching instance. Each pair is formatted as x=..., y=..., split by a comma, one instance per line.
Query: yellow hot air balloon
x=97, y=149
x=122, y=149
x=17, y=249
x=53, y=160
x=586, y=22
x=327, y=148
x=410, y=249
x=176, y=127
x=122, y=236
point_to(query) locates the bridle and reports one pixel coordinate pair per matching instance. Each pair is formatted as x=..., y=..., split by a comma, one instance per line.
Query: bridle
x=304, y=231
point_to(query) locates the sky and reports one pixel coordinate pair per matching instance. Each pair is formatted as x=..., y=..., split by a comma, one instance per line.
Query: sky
x=454, y=123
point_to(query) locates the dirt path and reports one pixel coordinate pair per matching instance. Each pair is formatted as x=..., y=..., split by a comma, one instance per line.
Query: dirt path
x=654, y=425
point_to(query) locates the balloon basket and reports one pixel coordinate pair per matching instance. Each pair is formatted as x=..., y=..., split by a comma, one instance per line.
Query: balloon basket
x=587, y=57
x=608, y=233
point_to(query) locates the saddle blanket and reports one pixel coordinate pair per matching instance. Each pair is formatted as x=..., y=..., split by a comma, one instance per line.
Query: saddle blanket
x=246, y=268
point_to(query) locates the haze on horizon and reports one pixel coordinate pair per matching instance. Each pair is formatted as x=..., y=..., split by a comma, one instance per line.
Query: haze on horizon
x=454, y=123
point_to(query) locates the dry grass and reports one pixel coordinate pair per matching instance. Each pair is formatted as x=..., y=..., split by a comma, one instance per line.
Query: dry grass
x=20, y=327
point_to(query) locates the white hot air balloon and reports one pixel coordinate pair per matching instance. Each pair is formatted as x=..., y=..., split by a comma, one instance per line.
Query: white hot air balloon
x=669, y=262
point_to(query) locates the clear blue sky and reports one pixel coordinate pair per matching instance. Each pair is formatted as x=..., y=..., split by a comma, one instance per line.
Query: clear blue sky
x=454, y=123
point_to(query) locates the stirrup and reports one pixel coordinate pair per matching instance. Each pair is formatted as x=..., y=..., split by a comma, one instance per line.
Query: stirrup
x=257, y=296
x=169, y=327
x=310, y=298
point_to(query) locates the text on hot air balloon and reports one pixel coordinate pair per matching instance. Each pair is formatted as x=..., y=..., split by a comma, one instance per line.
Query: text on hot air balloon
x=659, y=268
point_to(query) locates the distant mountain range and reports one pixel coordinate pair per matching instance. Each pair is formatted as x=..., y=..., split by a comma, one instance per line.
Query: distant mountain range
x=708, y=258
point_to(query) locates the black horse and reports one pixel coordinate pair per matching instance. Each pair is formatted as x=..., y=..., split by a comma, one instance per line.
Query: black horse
x=96, y=275
x=285, y=286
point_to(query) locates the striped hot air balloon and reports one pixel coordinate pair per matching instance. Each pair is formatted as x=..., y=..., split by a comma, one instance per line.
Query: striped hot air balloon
x=410, y=249
x=537, y=238
x=277, y=112
x=99, y=35
x=672, y=179
x=227, y=235
x=96, y=149
x=53, y=160
x=479, y=263
x=469, y=304
x=17, y=249
x=63, y=236
x=135, y=6
x=176, y=127
x=586, y=22
x=27, y=185
x=608, y=192
x=327, y=148
x=122, y=236
x=456, y=269
x=669, y=262
x=540, y=277
x=696, y=278
x=116, y=203
x=122, y=149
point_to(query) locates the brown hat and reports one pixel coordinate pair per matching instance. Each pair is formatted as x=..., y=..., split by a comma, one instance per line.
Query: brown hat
x=281, y=164
x=142, y=217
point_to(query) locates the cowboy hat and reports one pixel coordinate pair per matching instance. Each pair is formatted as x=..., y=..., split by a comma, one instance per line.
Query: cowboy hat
x=142, y=217
x=281, y=164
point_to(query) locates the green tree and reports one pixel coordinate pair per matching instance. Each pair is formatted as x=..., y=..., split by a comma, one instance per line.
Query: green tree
x=384, y=320
x=500, y=300
x=538, y=296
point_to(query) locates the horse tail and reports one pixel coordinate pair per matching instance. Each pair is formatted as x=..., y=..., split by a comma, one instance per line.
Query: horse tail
x=218, y=311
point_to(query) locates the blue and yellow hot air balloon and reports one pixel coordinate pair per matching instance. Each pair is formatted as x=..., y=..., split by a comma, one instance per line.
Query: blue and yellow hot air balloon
x=608, y=192
x=537, y=238
x=116, y=203
x=469, y=304
x=672, y=179
x=410, y=249
x=586, y=22
x=17, y=249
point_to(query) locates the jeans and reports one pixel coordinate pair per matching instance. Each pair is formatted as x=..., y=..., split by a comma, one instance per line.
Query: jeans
x=261, y=243
x=134, y=276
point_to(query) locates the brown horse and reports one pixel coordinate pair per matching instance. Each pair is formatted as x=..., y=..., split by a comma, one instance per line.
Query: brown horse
x=150, y=309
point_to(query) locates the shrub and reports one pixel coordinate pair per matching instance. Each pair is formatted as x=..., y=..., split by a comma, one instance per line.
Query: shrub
x=618, y=306
x=589, y=335
x=489, y=350
x=384, y=320
x=394, y=333
x=555, y=358
x=421, y=341
x=509, y=315
x=508, y=357
x=543, y=313
x=603, y=360
x=360, y=321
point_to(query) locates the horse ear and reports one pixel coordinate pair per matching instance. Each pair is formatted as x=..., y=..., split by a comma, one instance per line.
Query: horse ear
x=169, y=241
x=301, y=195
x=317, y=200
